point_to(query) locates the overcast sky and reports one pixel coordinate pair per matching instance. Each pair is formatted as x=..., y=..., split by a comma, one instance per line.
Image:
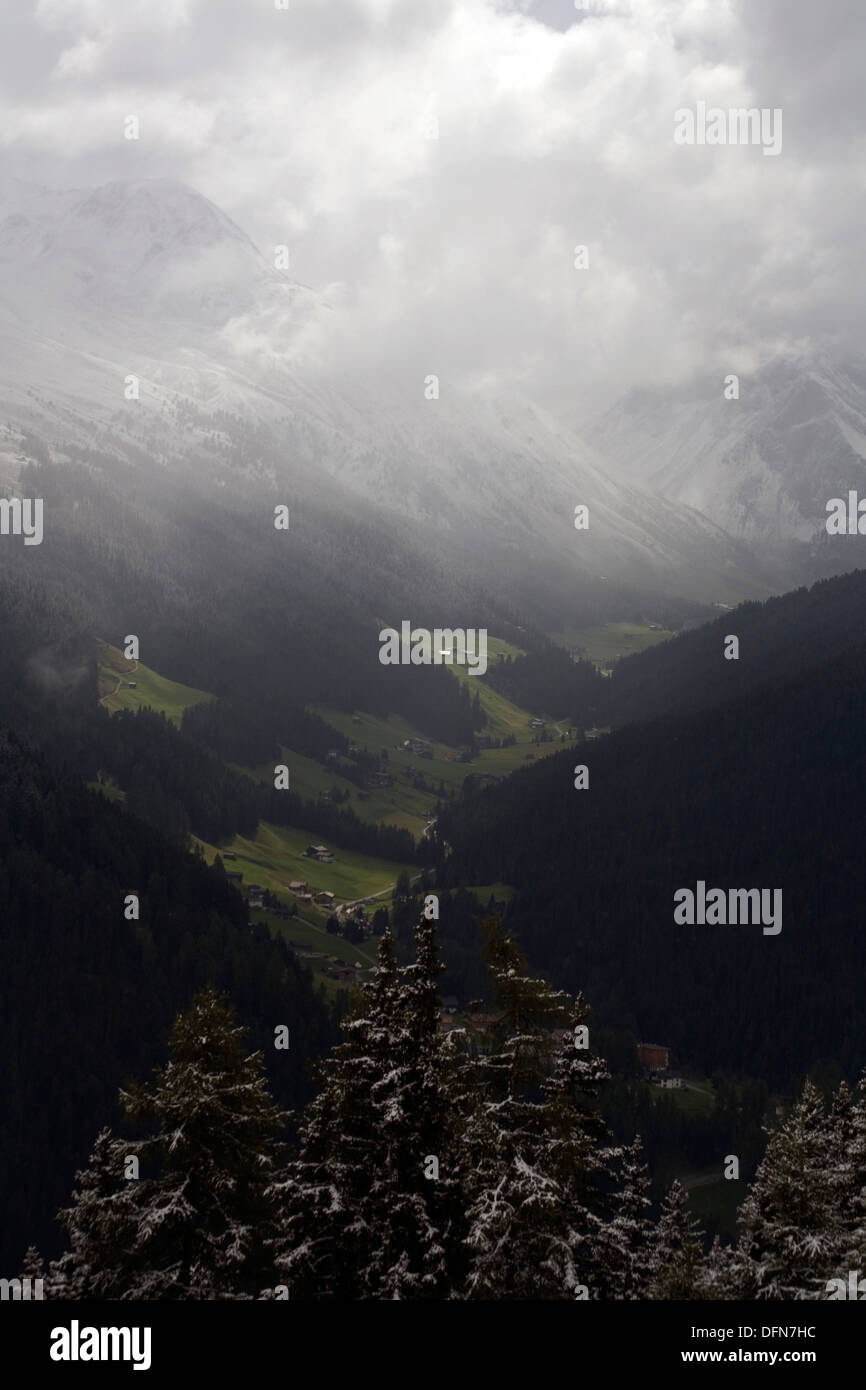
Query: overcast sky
x=311, y=126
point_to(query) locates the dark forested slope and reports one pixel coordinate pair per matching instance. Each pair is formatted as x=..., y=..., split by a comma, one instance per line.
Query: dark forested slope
x=764, y=791
x=781, y=637
x=87, y=997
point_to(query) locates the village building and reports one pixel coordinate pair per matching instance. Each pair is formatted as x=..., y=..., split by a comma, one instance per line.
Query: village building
x=421, y=746
x=653, y=1057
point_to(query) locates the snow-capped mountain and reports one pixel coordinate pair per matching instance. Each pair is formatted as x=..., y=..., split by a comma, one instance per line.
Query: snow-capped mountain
x=762, y=466
x=138, y=320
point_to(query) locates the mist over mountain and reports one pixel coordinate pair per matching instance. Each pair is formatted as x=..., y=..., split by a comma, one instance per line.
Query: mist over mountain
x=149, y=280
x=762, y=466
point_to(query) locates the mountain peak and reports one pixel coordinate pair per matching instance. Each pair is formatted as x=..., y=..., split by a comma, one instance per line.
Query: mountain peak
x=162, y=211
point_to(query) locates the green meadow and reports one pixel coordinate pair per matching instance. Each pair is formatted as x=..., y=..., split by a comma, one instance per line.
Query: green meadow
x=152, y=691
x=275, y=856
x=605, y=644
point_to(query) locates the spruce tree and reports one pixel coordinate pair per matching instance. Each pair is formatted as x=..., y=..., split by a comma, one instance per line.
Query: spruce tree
x=417, y=1184
x=196, y=1224
x=363, y=1214
x=792, y=1231
x=675, y=1251
x=622, y=1245
x=715, y=1278
x=520, y=1239
x=578, y=1143
x=852, y=1162
x=32, y=1265
x=103, y=1261
x=324, y=1238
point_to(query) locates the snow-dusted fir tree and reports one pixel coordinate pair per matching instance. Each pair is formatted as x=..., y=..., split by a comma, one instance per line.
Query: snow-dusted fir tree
x=675, y=1251
x=196, y=1223
x=325, y=1237
x=791, y=1225
x=417, y=1183
x=851, y=1166
x=32, y=1264
x=371, y=1207
x=621, y=1246
x=578, y=1150
x=715, y=1277
x=102, y=1261
x=520, y=1239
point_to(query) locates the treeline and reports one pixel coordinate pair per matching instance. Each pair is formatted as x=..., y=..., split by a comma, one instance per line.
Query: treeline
x=251, y=731
x=178, y=786
x=342, y=825
x=549, y=681
x=436, y=1165
x=87, y=993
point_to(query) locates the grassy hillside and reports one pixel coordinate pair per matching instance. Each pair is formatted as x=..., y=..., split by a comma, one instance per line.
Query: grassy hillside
x=274, y=857
x=151, y=690
x=604, y=645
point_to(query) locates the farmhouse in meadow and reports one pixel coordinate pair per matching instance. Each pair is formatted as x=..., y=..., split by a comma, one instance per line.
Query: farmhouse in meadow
x=421, y=746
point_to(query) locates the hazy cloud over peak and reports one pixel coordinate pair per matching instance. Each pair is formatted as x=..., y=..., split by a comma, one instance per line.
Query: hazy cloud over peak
x=433, y=168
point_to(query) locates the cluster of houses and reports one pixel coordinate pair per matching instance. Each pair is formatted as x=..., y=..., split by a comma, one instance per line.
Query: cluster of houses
x=303, y=891
x=305, y=894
